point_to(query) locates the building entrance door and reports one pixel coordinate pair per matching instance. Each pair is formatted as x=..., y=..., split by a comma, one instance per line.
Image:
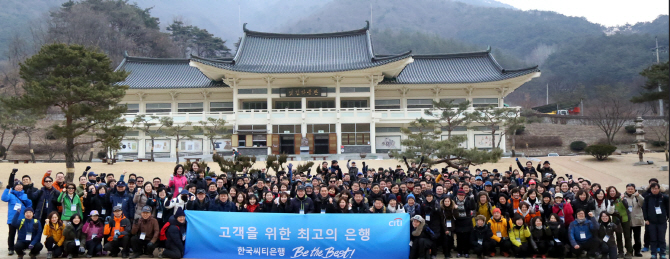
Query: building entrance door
x=321, y=143
x=287, y=144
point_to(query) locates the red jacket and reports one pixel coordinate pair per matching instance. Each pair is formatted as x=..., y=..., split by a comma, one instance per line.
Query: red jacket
x=566, y=212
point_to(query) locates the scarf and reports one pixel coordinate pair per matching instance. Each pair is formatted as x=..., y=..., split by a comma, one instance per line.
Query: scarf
x=417, y=231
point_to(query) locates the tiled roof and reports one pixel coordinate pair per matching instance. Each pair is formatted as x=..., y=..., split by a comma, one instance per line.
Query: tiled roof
x=161, y=73
x=261, y=52
x=476, y=67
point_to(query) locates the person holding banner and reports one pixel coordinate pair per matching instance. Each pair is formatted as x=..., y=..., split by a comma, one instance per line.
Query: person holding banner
x=241, y=202
x=420, y=240
x=145, y=234
x=302, y=204
x=175, y=236
x=283, y=205
x=222, y=203
x=323, y=202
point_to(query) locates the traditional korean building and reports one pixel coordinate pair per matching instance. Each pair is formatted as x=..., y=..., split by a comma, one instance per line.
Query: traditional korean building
x=327, y=93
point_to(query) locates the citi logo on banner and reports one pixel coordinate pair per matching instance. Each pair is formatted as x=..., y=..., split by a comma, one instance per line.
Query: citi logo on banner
x=397, y=222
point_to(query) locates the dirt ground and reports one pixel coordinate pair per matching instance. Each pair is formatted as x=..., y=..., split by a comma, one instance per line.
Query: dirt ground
x=618, y=171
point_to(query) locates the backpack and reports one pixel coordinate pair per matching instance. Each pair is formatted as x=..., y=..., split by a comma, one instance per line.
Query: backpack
x=162, y=236
x=35, y=224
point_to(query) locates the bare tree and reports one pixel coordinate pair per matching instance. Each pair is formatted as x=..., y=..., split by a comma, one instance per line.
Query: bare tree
x=610, y=111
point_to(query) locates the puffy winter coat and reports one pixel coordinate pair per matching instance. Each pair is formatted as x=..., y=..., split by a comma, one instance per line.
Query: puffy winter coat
x=141, y=199
x=635, y=203
x=499, y=228
x=217, y=205
x=175, y=234
x=564, y=210
x=651, y=202
x=519, y=235
x=482, y=233
x=71, y=234
x=576, y=229
x=56, y=232
x=92, y=229
x=46, y=202
x=304, y=204
x=27, y=226
x=12, y=197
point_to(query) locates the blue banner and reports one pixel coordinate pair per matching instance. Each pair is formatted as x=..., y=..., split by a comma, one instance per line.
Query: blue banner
x=263, y=235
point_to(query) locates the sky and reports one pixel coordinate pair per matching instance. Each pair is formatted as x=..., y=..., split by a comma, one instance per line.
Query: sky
x=605, y=12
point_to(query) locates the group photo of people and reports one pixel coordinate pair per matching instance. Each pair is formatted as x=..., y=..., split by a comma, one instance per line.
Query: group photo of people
x=522, y=211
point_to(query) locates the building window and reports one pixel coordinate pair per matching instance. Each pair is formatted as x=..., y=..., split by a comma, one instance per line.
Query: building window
x=252, y=128
x=320, y=128
x=259, y=140
x=387, y=129
x=288, y=105
x=387, y=104
x=241, y=140
x=356, y=134
x=131, y=107
x=354, y=89
x=189, y=107
x=253, y=91
x=419, y=103
x=261, y=105
x=221, y=106
x=454, y=101
x=286, y=129
x=484, y=102
x=159, y=107
x=320, y=104
x=354, y=104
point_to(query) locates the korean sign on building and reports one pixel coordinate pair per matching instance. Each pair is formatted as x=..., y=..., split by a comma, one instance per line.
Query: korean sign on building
x=304, y=92
x=267, y=235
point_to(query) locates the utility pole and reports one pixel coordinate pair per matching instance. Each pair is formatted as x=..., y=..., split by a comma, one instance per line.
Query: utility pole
x=547, y=93
x=658, y=61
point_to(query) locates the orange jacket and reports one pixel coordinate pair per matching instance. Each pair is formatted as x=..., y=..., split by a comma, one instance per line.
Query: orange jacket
x=515, y=203
x=121, y=224
x=529, y=216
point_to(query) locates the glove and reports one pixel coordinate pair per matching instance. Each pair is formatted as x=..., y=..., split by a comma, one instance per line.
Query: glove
x=81, y=250
x=116, y=236
x=31, y=246
x=290, y=165
x=88, y=168
x=150, y=244
x=517, y=159
x=348, y=160
x=107, y=219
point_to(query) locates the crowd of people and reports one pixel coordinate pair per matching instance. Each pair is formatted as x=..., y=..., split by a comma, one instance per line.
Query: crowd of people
x=524, y=212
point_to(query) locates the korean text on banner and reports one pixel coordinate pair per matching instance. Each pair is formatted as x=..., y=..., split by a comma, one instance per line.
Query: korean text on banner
x=264, y=235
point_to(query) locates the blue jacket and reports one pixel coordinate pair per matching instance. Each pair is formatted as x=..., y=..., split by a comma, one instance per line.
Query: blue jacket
x=125, y=200
x=45, y=202
x=33, y=227
x=220, y=206
x=576, y=229
x=12, y=197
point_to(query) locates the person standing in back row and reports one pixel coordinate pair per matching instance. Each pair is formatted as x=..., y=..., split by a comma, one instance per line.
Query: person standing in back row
x=655, y=209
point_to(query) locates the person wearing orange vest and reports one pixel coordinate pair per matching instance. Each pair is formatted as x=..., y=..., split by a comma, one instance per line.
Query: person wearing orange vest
x=118, y=229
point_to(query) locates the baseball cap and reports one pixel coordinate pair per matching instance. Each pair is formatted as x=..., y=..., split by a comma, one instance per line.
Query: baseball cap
x=558, y=195
x=478, y=178
x=487, y=183
x=199, y=191
x=120, y=184
x=146, y=209
x=117, y=208
x=532, y=182
x=92, y=174
x=309, y=185
x=208, y=178
x=301, y=187
x=93, y=212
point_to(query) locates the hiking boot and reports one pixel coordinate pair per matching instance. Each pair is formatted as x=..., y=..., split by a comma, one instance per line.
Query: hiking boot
x=49, y=255
x=467, y=255
x=10, y=252
x=69, y=256
x=505, y=254
x=645, y=249
x=628, y=256
x=493, y=254
x=88, y=256
x=124, y=255
x=620, y=255
x=663, y=256
x=653, y=256
x=20, y=256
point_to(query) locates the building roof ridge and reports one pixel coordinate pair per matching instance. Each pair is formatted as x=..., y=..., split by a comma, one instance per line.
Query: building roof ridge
x=453, y=55
x=363, y=30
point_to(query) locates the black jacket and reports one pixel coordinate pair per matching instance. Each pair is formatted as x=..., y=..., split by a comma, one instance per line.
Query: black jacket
x=539, y=235
x=95, y=202
x=305, y=204
x=588, y=206
x=321, y=203
x=608, y=229
x=45, y=202
x=359, y=208
x=282, y=207
x=198, y=205
x=432, y=209
x=483, y=233
x=266, y=206
x=463, y=215
x=217, y=205
x=649, y=208
x=174, y=235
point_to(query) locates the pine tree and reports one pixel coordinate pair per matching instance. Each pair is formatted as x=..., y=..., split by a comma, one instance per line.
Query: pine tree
x=81, y=84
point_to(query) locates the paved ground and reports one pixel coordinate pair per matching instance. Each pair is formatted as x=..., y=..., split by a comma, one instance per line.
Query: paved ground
x=617, y=171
